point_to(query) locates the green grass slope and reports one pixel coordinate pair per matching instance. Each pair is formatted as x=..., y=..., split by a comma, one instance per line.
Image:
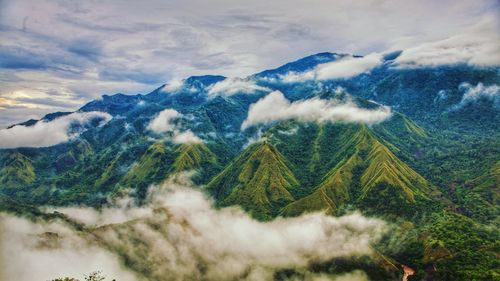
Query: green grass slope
x=152, y=167
x=259, y=180
x=370, y=170
x=192, y=157
x=18, y=171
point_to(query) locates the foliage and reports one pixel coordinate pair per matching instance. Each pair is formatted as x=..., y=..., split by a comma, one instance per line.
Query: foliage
x=94, y=276
x=433, y=168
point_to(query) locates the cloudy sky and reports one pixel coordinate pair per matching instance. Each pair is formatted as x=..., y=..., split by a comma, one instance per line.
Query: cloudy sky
x=55, y=55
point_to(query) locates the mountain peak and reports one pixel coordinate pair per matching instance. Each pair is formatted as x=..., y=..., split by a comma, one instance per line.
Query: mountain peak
x=192, y=156
x=259, y=180
x=363, y=172
x=303, y=64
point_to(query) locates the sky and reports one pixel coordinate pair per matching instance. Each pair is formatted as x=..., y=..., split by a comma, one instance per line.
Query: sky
x=56, y=55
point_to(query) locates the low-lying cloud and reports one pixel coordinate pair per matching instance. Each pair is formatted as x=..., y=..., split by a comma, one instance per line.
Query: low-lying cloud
x=475, y=93
x=173, y=85
x=231, y=86
x=177, y=85
x=49, y=133
x=342, y=68
x=276, y=107
x=181, y=237
x=165, y=122
x=35, y=251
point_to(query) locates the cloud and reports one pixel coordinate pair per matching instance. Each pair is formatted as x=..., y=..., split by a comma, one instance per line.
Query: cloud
x=476, y=47
x=342, y=68
x=104, y=47
x=48, y=133
x=186, y=137
x=275, y=107
x=231, y=86
x=480, y=91
x=165, y=122
x=183, y=237
x=173, y=85
x=31, y=251
x=15, y=58
x=32, y=94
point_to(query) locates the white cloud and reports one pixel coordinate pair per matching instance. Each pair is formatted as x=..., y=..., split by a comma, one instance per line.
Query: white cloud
x=186, y=137
x=30, y=251
x=184, y=237
x=341, y=68
x=231, y=86
x=48, y=133
x=173, y=85
x=164, y=122
x=473, y=93
x=140, y=46
x=275, y=107
x=479, y=46
x=119, y=210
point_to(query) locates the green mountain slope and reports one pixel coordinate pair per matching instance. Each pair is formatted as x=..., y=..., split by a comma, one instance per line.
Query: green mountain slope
x=152, y=167
x=312, y=148
x=259, y=180
x=371, y=170
x=197, y=158
x=17, y=171
x=75, y=155
x=191, y=157
x=481, y=196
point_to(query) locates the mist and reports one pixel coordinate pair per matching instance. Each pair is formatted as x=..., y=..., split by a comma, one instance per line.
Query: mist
x=48, y=133
x=179, y=235
x=164, y=122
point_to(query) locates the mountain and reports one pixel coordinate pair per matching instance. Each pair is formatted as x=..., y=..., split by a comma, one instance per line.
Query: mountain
x=17, y=171
x=368, y=170
x=151, y=167
x=431, y=169
x=362, y=170
x=481, y=196
x=422, y=100
x=301, y=65
x=259, y=180
x=192, y=157
x=160, y=162
x=76, y=154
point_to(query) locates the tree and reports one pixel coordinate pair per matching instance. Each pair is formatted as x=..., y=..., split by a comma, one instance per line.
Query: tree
x=94, y=276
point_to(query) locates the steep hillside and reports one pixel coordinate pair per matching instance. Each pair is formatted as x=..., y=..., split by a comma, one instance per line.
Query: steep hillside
x=481, y=196
x=197, y=158
x=431, y=169
x=259, y=180
x=17, y=171
x=371, y=170
x=191, y=157
x=152, y=167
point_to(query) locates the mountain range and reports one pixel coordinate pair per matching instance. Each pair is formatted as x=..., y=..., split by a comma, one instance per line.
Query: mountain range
x=425, y=153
